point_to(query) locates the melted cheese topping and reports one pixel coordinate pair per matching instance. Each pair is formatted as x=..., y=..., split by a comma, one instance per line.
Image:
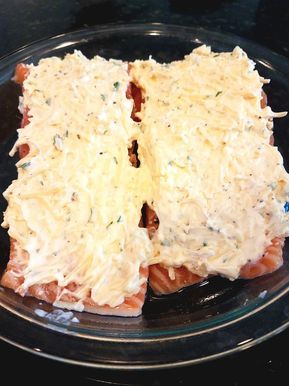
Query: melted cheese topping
x=219, y=188
x=76, y=204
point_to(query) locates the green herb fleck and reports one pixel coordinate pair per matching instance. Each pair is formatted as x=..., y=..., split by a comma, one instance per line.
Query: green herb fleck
x=103, y=97
x=218, y=93
x=66, y=133
x=170, y=163
x=115, y=160
x=108, y=225
x=25, y=165
x=90, y=215
x=74, y=196
x=205, y=244
x=116, y=86
x=48, y=101
x=119, y=219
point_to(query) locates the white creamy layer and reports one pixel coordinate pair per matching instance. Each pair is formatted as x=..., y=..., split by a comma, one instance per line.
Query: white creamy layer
x=207, y=169
x=219, y=188
x=76, y=204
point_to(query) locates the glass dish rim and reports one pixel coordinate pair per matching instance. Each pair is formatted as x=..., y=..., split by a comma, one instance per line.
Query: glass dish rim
x=9, y=58
x=281, y=61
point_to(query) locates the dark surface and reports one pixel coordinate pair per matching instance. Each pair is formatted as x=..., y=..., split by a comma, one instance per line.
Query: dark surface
x=265, y=22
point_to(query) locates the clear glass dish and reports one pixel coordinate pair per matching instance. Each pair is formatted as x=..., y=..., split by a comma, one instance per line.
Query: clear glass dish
x=203, y=322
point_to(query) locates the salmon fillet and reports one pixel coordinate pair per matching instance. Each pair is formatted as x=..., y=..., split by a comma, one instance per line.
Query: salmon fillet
x=165, y=280
x=268, y=263
x=162, y=279
x=13, y=276
x=162, y=284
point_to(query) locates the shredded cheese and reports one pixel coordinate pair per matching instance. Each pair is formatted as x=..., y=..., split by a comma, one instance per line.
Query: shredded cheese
x=219, y=188
x=206, y=167
x=76, y=204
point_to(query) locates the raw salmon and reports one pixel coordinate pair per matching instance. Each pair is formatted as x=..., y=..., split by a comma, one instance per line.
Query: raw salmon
x=13, y=278
x=21, y=73
x=160, y=279
x=18, y=259
x=163, y=283
x=134, y=92
x=268, y=263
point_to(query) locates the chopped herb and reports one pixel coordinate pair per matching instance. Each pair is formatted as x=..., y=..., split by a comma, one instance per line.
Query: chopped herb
x=90, y=216
x=78, y=136
x=215, y=55
x=58, y=142
x=170, y=163
x=48, y=101
x=74, y=196
x=119, y=219
x=210, y=228
x=218, y=93
x=116, y=86
x=66, y=133
x=108, y=225
x=105, y=131
x=115, y=160
x=25, y=165
x=103, y=97
x=42, y=183
x=205, y=244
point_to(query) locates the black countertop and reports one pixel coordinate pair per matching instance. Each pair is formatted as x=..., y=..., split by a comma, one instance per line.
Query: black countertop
x=263, y=21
